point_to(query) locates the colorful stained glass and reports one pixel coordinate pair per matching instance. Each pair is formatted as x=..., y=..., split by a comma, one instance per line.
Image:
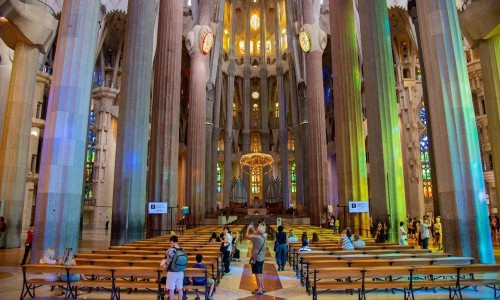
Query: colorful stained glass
x=423, y=117
x=219, y=177
x=426, y=166
x=90, y=159
x=293, y=177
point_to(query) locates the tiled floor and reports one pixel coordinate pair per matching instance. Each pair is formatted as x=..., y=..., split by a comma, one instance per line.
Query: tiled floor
x=283, y=286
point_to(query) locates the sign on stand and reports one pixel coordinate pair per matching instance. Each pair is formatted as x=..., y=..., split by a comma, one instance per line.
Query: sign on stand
x=358, y=207
x=157, y=207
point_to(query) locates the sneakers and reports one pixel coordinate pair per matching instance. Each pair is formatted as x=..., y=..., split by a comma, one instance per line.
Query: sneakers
x=228, y=273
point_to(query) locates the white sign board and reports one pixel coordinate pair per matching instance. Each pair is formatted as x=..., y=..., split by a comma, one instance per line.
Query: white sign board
x=278, y=221
x=358, y=207
x=157, y=207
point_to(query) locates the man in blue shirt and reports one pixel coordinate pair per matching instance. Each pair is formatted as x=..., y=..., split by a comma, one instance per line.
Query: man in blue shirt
x=201, y=281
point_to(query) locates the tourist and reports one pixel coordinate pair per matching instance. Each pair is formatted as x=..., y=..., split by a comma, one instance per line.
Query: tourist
x=281, y=248
x=292, y=238
x=380, y=233
x=257, y=237
x=305, y=247
x=214, y=238
x=425, y=232
x=202, y=281
x=67, y=260
x=49, y=259
x=337, y=226
x=358, y=242
x=226, y=247
x=315, y=237
x=175, y=278
x=27, y=244
x=331, y=223
x=304, y=237
x=346, y=241
x=438, y=234
x=402, y=234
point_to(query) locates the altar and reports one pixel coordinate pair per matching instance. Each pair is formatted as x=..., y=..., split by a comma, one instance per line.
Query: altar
x=261, y=211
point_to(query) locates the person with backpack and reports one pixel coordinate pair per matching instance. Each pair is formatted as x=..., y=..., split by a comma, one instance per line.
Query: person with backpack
x=175, y=263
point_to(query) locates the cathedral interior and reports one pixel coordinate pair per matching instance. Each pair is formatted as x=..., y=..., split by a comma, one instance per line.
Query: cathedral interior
x=226, y=109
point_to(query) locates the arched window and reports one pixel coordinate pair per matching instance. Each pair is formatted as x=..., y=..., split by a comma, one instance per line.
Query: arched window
x=426, y=166
x=423, y=117
x=255, y=181
x=277, y=110
x=89, y=160
x=219, y=177
x=293, y=178
x=234, y=110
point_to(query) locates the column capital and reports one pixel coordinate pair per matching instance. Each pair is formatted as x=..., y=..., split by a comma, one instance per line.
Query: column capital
x=200, y=40
x=312, y=38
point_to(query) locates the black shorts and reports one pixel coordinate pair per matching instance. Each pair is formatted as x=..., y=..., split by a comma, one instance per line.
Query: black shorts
x=257, y=267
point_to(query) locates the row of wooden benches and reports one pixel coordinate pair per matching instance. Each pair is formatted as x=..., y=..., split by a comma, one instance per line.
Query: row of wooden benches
x=314, y=263
x=113, y=278
x=406, y=278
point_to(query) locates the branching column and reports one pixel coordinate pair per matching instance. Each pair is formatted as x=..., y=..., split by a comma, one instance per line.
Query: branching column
x=129, y=195
x=349, y=135
x=458, y=162
x=60, y=186
x=318, y=178
x=387, y=191
x=164, y=147
x=196, y=145
x=228, y=130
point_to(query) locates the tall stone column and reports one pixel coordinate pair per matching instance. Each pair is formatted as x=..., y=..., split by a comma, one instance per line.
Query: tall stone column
x=60, y=185
x=246, y=97
x=264, y=98
x=228, y=130
x=458, y=163
x=5, y=71
x=214, y=88
x=489, y=53
x=164, y=144
x=387, y=191
x=283, y=128
x=318, y=178
x=349, y=135
x=104, y=166
x=196, y=146
x=29, y=30
x=129, y=197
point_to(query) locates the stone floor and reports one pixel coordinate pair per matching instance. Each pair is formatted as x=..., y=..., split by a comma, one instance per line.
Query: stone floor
x=279, y=285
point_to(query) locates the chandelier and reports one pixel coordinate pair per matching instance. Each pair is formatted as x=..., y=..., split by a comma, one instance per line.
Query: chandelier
x=254, y=22
x=256, y=161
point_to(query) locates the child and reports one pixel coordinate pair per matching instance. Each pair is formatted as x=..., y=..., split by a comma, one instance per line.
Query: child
x=201, y=281
x=402, y=234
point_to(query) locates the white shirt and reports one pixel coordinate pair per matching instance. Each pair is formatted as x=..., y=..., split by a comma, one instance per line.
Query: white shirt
x=402, y=236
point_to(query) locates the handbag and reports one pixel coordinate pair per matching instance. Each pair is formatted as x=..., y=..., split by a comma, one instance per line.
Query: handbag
x=253, y=260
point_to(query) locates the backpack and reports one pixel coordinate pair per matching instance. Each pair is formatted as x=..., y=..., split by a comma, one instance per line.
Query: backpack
x=179, y=261
x=4, y=227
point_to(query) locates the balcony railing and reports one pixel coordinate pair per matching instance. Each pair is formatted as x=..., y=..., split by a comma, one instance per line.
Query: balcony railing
x=88, y=202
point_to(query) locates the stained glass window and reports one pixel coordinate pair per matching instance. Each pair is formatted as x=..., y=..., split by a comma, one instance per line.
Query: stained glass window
x=423, y=117
x=293, y=177
x=219, y=177
x=255, y=181
x=90, y=159
x=426, y=166
x=277, y=110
